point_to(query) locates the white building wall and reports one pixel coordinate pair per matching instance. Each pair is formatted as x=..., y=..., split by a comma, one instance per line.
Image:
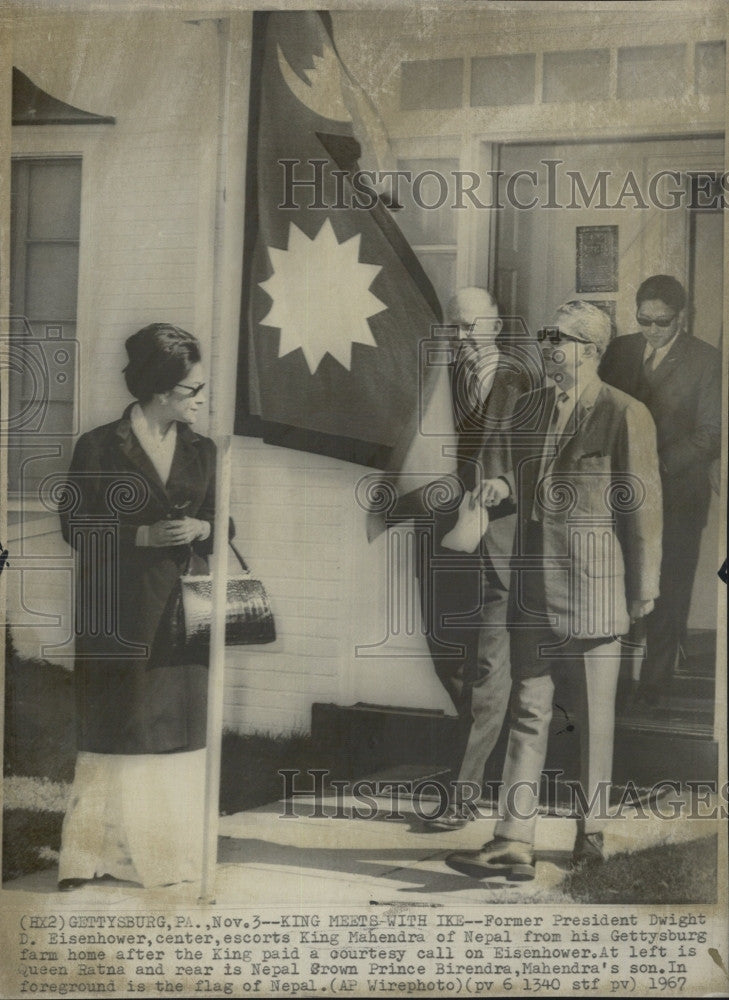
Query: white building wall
x=300, y=528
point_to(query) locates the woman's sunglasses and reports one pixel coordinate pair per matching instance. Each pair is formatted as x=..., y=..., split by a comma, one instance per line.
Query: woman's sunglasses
x=194, y=389
x=660, y=323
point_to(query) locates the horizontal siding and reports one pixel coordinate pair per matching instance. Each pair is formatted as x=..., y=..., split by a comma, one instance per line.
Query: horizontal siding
x=300, y=529
x=292, y=526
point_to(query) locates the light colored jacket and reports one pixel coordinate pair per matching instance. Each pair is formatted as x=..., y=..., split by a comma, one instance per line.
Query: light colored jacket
x=599, y=501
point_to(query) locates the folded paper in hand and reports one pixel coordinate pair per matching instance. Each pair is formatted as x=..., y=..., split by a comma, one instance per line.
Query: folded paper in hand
x=470, y=527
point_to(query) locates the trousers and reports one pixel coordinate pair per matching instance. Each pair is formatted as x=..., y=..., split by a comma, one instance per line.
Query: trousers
x=666, y=624
x=467, y=608
x=596, y=670
x=137, y=817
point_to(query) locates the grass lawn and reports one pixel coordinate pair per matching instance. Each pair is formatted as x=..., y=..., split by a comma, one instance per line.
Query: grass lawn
x=668, y=873
x=31, y=841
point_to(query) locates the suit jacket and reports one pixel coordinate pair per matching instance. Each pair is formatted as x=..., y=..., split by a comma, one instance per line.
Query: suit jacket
x=683, y=395
x=599, y=501
x=131, y=696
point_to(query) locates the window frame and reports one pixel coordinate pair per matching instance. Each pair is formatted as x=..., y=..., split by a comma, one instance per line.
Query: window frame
x=55, y=142
x=52, y=443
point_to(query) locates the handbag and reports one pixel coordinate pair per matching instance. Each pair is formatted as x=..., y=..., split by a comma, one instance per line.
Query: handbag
x=248, y=616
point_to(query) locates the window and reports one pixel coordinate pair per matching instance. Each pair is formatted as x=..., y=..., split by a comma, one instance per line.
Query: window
x=41, y=354
x=652, y=71
x=431, y=84
x=427, y=222
x=710, y=67
x=576, y=75
x=503, y=80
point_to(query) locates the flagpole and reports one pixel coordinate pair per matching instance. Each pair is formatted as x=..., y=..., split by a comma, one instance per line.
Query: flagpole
x=219, y=568
x=216, y=680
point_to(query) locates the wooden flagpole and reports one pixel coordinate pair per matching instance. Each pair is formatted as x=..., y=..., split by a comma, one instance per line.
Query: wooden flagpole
x=216, y=678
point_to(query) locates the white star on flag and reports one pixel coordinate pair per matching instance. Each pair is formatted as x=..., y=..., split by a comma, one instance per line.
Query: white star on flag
x=321, y=296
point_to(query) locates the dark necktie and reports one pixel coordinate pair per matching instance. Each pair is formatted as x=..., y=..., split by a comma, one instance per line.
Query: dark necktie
x=549, y=448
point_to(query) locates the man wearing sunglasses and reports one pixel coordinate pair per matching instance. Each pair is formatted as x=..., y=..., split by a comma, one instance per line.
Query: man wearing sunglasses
x=581, y=463
x=678, y=377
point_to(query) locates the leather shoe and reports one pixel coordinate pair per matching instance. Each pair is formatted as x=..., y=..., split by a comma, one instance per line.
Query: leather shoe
x=452, y=819
x=69, y=884
x=588, y=850
x=513, y=859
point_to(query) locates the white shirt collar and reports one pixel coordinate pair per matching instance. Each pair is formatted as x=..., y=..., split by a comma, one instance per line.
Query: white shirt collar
x=587, y=384
x=661, y=352
x=160, y=450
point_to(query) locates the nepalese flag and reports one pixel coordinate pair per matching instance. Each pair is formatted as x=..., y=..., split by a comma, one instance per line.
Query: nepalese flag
x=335, y=302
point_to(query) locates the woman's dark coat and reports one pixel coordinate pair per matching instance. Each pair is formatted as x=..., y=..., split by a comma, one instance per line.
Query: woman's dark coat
x=133, y=693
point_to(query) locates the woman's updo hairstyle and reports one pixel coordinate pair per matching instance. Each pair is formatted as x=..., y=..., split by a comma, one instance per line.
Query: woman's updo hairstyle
x=160, y=356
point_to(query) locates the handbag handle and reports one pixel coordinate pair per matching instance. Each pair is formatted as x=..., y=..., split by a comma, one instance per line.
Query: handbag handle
x=241, y=560
x=239, y=557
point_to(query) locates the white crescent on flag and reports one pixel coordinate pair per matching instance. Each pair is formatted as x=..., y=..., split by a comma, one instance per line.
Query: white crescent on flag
x=323, y=93
x=334, y=94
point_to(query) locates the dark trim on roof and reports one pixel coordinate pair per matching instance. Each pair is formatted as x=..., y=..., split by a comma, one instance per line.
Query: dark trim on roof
x=33, y=106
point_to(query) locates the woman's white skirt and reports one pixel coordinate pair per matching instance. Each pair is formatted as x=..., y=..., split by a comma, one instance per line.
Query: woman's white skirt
x=136, y=817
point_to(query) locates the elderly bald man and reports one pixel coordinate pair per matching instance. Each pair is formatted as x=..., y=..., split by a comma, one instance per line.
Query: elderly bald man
x=491, y=371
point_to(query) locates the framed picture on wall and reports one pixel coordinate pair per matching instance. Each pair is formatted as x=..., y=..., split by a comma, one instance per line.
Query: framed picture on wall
x=596, y=253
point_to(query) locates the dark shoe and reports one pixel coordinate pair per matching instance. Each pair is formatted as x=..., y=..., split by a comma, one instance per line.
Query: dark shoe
x=588, y=851
x=510, y=858
x=69, y=884
x=452, y=819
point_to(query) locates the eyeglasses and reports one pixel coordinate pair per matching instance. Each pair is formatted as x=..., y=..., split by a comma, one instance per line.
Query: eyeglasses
x=555, y=335
x=660, y=323
x=194, y=389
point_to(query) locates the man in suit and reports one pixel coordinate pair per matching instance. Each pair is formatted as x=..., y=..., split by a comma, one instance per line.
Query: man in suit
x=678, y=377
x=582, y=465
x=465, y=595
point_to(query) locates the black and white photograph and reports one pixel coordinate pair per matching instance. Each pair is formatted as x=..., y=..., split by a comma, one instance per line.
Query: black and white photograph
x=363, y=464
